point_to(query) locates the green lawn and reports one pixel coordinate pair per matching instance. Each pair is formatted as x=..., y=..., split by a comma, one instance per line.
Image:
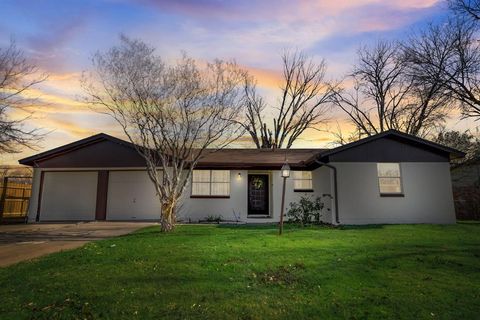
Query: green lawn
x=247, y=272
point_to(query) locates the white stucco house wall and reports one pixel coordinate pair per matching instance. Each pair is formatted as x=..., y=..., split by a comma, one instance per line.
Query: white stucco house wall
x=391, y=177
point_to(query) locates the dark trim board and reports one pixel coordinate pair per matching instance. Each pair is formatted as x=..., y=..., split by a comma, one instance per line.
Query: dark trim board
x=209, y=197
x=303, y=190
x=392, y=195
x=40, y=193
x=102, y=193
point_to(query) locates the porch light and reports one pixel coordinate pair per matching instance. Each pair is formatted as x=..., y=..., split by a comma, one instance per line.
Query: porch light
x=239, y=176
x=285, y=170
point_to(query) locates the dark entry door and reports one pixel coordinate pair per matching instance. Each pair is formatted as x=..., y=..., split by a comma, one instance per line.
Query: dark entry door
x=258, y=194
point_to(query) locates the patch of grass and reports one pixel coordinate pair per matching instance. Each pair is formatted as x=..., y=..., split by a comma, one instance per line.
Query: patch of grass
x=249, y=272
x=281, y=275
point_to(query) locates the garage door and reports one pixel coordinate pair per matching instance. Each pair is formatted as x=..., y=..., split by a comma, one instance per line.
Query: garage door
x=68, y=196
x=131, y=196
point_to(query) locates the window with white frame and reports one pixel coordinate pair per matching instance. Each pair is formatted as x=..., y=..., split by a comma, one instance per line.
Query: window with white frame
x=302, y=180
x=212, y=183
x=389, y=178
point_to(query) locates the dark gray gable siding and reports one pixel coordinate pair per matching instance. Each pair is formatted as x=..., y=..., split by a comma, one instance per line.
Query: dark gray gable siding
x=389, y=149
x=98, y=154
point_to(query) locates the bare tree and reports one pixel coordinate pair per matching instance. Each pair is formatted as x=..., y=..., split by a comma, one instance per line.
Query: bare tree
x=171, y=113
x=17, y=76
x=467, y=8
x=303, y=105
x=451, y=52
x=388, y=93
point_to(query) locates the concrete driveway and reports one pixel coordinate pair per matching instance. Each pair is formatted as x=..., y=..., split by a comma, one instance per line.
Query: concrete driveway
x=28, y=241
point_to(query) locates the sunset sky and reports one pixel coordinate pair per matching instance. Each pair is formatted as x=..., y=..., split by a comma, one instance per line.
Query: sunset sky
x=61, y=36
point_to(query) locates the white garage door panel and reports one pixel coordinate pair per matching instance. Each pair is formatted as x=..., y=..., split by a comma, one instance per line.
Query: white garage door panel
x=131, y=196
x=69, y=196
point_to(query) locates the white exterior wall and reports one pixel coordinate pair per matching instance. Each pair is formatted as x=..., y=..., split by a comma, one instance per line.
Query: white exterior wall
x=195, y=209
x=131, y=196
x=236, y=207
x=427, y=194
x=321, y=187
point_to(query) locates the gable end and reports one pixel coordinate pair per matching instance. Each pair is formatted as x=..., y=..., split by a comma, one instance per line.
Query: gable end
x=389, y=149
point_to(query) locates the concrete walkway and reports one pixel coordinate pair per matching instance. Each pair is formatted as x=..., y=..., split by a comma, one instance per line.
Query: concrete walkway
x=28, y=241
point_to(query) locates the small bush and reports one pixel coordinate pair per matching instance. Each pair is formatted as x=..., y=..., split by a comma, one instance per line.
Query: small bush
x=212, y=218
x=306, y=211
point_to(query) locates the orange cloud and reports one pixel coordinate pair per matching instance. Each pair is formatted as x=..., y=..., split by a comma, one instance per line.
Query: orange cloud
x=266, y=78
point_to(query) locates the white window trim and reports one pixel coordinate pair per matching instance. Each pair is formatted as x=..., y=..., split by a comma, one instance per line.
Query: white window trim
x=210, y=182
x=391, y=194
x=303, y=189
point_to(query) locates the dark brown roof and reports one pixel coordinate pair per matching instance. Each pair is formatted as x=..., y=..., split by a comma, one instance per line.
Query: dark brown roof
x=223, y=158
x=237, y=158
x=248, y=158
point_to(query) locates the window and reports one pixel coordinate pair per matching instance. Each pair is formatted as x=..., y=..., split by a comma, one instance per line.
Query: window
x=302, y=180
x=389, y=178
x=211, y=183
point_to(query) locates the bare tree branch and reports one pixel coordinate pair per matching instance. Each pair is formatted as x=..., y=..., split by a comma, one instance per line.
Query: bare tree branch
x=304, y=103
x=171, y=113
x=450, y=52
x=466, y=8
x=389, y=93
x=17, y=76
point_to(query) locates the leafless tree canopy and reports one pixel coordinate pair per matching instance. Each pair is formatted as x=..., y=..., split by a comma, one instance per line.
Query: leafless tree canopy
x=388, y=93
x=466, y=8
x=17, y=75
x=303, y=104
x=172, y=113
x=450, y=52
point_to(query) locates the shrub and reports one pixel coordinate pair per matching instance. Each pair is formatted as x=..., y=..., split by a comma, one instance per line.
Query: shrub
x=306, y=211
x=212, y=218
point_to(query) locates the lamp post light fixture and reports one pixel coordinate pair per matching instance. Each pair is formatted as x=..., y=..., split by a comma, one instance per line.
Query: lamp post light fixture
x=285, y=174
x=285, y=170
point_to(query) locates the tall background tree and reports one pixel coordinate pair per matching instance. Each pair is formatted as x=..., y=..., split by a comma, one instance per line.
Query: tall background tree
x=464, y=141
x=304, y=103
x=450, y=52
x=171, y=113
x=17, y=76
x=388, y=93
x=466, y=8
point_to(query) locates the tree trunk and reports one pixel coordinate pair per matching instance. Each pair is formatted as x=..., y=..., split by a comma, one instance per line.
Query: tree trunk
x=168, y=216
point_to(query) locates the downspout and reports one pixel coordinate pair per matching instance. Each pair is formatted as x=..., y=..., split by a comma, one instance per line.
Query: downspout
x=335, y=189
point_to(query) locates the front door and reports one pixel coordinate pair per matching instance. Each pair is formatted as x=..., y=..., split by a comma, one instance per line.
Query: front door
x=258, y=194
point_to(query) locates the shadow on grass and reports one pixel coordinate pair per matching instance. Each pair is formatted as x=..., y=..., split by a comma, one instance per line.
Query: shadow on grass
x=249, y=226
x=469, y=222
x=361, y=227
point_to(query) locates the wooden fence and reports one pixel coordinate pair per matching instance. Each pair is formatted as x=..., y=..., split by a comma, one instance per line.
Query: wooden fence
x=15, y=193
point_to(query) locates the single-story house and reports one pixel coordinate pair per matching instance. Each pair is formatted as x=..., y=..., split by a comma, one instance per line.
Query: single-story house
x=390, y=177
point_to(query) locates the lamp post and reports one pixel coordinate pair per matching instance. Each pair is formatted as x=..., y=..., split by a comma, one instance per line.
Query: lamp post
x=285, y=174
